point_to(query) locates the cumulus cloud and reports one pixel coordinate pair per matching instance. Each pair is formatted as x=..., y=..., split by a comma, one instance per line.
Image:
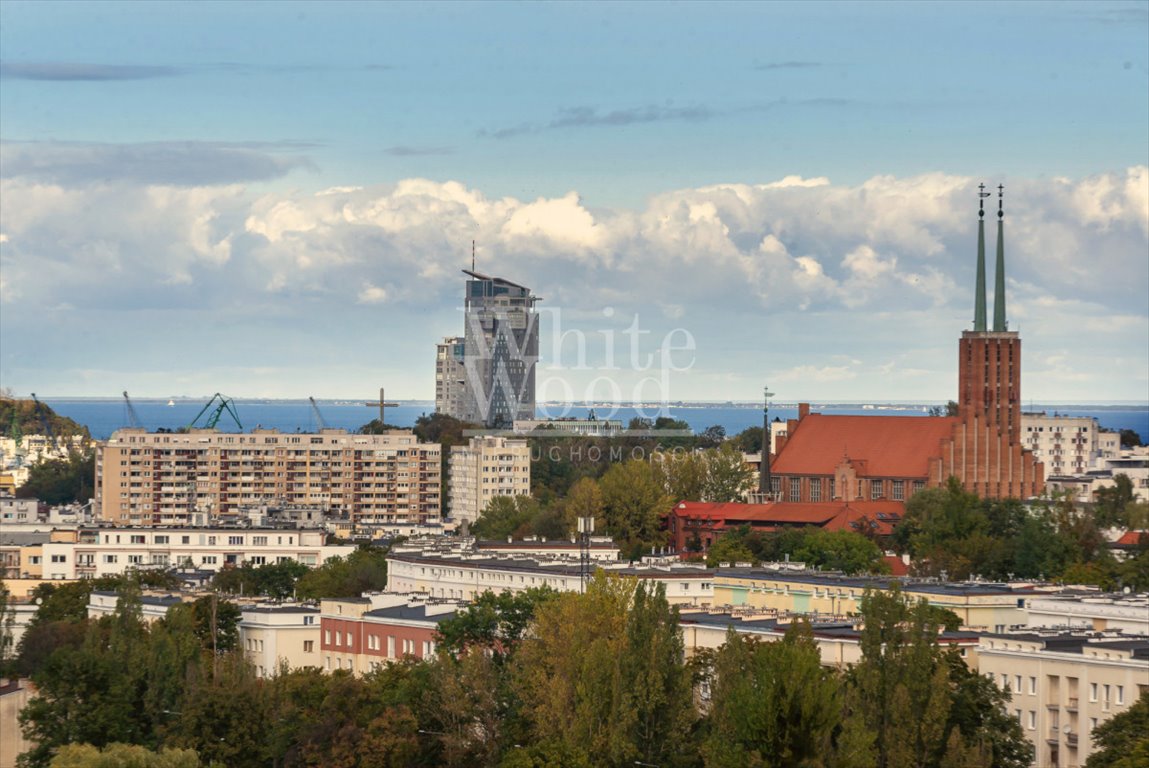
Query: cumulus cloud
x=773, y=279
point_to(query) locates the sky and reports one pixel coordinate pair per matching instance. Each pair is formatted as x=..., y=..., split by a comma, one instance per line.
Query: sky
x=275, y=199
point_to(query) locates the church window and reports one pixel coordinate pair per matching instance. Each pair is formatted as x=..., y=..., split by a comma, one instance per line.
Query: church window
x=815, y=489
x=876, y=489
x=899, y=491
x=795, y=489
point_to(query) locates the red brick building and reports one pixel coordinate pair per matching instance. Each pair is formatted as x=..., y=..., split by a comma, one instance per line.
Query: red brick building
x=870, y=458
x=857, y=472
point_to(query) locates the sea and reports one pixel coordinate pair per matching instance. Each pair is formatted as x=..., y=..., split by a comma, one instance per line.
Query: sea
x=102, y=416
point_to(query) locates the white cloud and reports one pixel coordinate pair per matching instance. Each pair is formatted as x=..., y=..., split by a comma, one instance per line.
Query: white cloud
x=743, y=266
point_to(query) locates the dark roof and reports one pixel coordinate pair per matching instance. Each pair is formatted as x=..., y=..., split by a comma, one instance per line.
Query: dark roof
x=410, y=613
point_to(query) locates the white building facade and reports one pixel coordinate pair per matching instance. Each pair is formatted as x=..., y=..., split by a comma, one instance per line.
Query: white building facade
x=486, y=467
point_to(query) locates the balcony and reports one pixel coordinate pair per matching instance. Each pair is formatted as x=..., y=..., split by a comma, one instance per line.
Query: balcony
x=1071, y=739
x=1071, y=704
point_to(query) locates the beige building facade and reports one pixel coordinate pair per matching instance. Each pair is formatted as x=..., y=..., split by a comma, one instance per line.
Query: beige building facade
x=486, y=467
x=1063, y=685
x=274, y=636
x=148, y=478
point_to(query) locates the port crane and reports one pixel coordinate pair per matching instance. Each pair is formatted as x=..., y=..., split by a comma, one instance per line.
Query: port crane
x=133, y=417
x=45, y=422
x=319, y=422
x=225, y=404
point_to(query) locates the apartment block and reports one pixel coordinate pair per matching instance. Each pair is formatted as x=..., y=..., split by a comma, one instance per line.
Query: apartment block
x=89, y=553
x=1063, y=685
x=485, y=468
x=193, y=478
x=1067, y=445
x=451, y=377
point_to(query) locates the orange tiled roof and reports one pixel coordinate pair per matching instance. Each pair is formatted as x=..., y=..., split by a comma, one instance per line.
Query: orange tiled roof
x=891, y=446
x=831, y=515
x=1130, y=539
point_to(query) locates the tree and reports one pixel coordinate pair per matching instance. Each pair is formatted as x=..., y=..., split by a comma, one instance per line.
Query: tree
x=506, y=516
x=215, y=622
x=712, y=437
x=979, y=716
x=601, y=677
x=364, y=570
x=1130, y=438
x=748, y=440
x=123, y=756
x=61, y=481
x=728, y=477
x=584, y=500
x=7, y=620
x=846, y=551
x=1123, y=741
x=1110, y=502
x=495, y=622
x=772, y=703
x=730, y=548
x=902, y=683
x=634, y=502
x=683, y=475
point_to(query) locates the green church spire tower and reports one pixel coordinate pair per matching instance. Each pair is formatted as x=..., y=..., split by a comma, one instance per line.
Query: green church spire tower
x=999, y=323
x=979, y=300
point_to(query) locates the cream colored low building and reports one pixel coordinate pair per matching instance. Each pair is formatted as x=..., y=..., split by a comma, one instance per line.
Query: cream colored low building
x=484, y=468
x=274, y=636
x=1063, y=685
x=980, y=606
x=1099, y=612
x=465, y=574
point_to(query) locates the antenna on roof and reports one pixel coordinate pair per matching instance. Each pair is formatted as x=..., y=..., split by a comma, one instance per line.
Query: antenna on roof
x=472, y=255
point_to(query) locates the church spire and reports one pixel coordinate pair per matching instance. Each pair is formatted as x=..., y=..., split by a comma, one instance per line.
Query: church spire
x=999, y=323
x=979, y=300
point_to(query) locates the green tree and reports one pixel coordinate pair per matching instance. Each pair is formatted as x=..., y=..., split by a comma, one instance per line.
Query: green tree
x=730, y=548
x=495, y=622
x=748, y=440
x=684, y=475
x=7, y=621
x=601, y=678
x=772, y=703
x=1123, y=741
x=61, y=481
x=634, y=502
x=1111, y=502
x=584, y=500
x=123, y=756
x=902, y=682
x=506, y=516
x=1130, y=438
x=979, y=716
x=364, y=570
x=728, y=477
x=215, y=622
x=845, y=551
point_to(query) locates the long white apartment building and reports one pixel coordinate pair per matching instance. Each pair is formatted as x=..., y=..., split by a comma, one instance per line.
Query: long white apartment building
x=149, y=478
x=484, y=468
x=1064, y=684
x=1098, y=612
x=463, y=573
x=88, y=553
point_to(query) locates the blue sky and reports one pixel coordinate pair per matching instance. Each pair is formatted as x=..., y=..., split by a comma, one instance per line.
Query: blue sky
x=273, y=199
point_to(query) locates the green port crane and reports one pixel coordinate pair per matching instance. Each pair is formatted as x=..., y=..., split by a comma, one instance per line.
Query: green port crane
x=319, y=422
x=225, y=404
x=45, y=422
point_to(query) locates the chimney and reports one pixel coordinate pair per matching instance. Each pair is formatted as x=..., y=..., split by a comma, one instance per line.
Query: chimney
x=803, y=410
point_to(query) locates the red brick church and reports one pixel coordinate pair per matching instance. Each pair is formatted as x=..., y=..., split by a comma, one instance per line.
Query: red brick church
x=841, y=471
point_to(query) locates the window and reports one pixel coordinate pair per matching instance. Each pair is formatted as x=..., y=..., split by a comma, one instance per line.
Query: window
x=59, y=558
x=919, y=485
x=1121, y=694
x=1093, y=691
x=327, y=637
x=775, y=484
x=349, y=643
x=137, y=539
x=308, y=646
x=815, y=489
x=161, y=539
x=135, y=559
x=391, y=646
x=899, y=492
x=1032, y=720
x=795, y=489
x=1033, y=686
x=259, y=541
x=211, y=541
x=111, y=559
x=235, y=540
x=876, y=489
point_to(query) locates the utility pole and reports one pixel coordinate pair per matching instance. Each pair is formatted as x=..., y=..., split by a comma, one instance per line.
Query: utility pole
x=764, y=464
